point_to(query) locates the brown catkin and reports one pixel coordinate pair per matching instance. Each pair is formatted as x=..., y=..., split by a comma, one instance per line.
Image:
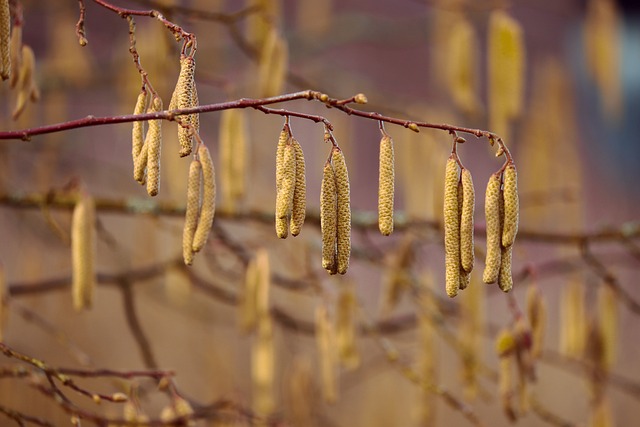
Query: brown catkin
x=511, y=206
x=83, y=252
x=494, y=230
x=5, y=36
x=343, y=227
x=208, y=199
x=466, y=222
x=184, y=96
x=284, y=196
x=299, y=207
x=191, y=215
x=153, y=141
x=328, y=218
x=386, y=186
x=451, y=228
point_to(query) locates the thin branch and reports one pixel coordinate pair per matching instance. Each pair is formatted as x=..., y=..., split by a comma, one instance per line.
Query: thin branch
x=21, y=418
x=135, y=326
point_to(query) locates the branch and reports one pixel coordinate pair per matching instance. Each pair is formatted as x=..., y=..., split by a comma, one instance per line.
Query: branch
x=135, y=326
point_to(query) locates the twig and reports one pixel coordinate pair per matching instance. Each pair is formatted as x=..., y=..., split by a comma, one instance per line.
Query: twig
x=135, y=326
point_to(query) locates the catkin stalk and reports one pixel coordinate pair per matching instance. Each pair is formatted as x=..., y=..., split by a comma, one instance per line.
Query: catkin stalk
x=83, y=252
x=191, y=215
x=299, y=206
x=466, y=222
x=451, y=228
x=153, y=141
x=494, y=229
x=511, y=206
x=386, y=186
x=207, y=211
x=284, y=197
x=343, y=227
x=328, y=218
x=5, y=37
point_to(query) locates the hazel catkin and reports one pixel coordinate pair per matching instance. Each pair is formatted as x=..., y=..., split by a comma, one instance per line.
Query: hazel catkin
x=494, y=229
x=137, y=134
x=192, y=211
x=511, y=206
x=343, y=193
x=5, y=35
x=386, y=186
x=207, y=210
x=83, y=252
x=15, y=53
x=451, y=228
x=284, y=197
x=505, y=280
x=184, y=96
x=466, y=222
x=299, y=206
x=328, y=218
x=153, y=141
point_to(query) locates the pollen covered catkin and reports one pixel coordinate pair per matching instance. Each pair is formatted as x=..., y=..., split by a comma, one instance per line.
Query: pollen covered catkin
x=284, y=197
x=83, y=252
x=494, y=229
x=5, y=36
x=285, y=134
x=299, y=207
x=184, y=96
x=386, y=186
x=207, y=210
x=466, y=222
x=137, y=135
x=505, y=280
x=140, y=166
x=511, y=206
x=343, y=192
x=328, y=218
x=451, y=228
x=192, y=211
x=153, y=141
x=26, y=85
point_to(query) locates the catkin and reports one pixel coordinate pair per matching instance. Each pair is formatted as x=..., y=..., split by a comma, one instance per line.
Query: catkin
x=462, y=63
x=494, y=229
x=511, y=206
x=137, y=134
x=299, y=207
x=83, y=252
x=263, y=361
x=272, y=64
x=5, y=36
x=328, y=218
x=386, y=186
x=191, y=215
x=326, y=342
x=343, y=192
x=207, y=210
x=465, y=277
x=153, y=141
x=25, y=81
x=285, y=134
x=140, y=165
x=284, y=197
x=466, y=222
x=247, y=307
x=451, y=228
x=346, y=329
x=505, y=280
x=184, y=96
x=15, y=52
x=608, y=324
x=537, y=316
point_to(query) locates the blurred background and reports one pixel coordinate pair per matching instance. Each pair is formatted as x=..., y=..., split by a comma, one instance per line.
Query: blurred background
x=382, y=345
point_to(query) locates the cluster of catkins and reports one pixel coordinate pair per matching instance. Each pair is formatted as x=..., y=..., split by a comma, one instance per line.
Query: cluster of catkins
x=17, y=61
x=291, y=185
x=501, y=211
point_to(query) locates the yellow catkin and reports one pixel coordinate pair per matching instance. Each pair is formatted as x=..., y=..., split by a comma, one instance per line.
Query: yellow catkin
x=573, y=318
x=462, y=60
x=299, y=206
x=247, y=306
x=428, y=348
x=494, y=229
x=233, y=157
x=183, y=409
x=207, y=211
x=15, y=52
x=153, y=141
x=25, y=81
x=5, y=37
x=505, y=280
x=505, y=348
x=285, y=134
x=465, y=277
x=343, y=227
x=601, y=414
x=466, y=222
x=263, y=270
x=328, y=218
x=284, y=197
x=537, y=316
x=192, y=212
x=346, y=329
x=608, y=324
x=184, y=97
x=471, y=336
x=140, y=165
x=397, y=277
x=137, y=134
x=273, y=64
x=300, y=395
x=386, y=186
x=511, y=206
x=83, y=252
x=451, y=228
x=263, y=368
x=327, y=355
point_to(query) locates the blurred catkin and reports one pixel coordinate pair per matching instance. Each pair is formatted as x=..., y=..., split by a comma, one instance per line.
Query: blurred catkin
x=573, y=318
x=83, y=252
x=233, y=157
x=608, y=324
x=299, y=206
x=494, y=229
x=328, y=218
x=346, y=329
x=327, y=355
x=273, y=64
x=15, y=52
x=451, y=228
x=192, y=211
x=386, y=186
x=343, y=192
x=537, y=316
x=3, y=302
x=462, y=63
x=207, y=210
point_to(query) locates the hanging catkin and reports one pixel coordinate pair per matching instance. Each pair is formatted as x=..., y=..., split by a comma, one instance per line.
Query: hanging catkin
x=207, y=210
x=466, y=222
x=386, y=186
x=346, y=331
x=191, y=215
x=284, y=197
x=505, y=280
x=608, y=324
x=327, y=354
x=83, y=252
x=272, y=64
x=285, y=134
x=137, y=134
x=15, y=52
x=233, y=157
x=537, y=316
x=465, y=277
x=184, y=96
x=5, y=36
x=26, y=84
x=511, y=206
x=494, y=229
x=153, y=141
x=299, y=207
x=328, y=218
x=140, y=165
x=462, y=63
x=343, y=192
x=451, y=228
